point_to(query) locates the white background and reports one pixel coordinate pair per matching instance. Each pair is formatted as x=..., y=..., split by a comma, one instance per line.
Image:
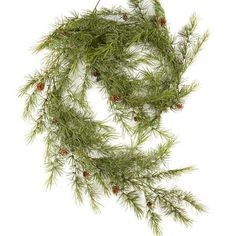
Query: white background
x=205, y=129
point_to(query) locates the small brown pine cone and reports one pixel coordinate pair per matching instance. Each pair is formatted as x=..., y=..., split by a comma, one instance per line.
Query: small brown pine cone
x=163, y=21
x=63, y=152
x=86, y=174
x=115, y=98
x=40, y=86
x=180, y=106
x=125, y=17
x=149, y=204
x=115, y=189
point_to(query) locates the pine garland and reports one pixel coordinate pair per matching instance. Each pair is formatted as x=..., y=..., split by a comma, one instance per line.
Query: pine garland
x=139, y=65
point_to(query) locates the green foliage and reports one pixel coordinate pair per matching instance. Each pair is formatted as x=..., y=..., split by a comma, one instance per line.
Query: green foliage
x=54, y=168
x=139, y=66
x=154, y=221
x=132, y=199
x=189, y=43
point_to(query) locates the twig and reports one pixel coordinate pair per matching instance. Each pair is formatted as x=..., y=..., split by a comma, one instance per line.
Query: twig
x=95, y=8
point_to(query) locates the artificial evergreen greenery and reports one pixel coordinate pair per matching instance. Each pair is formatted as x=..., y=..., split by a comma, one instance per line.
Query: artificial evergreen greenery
x=139, y=65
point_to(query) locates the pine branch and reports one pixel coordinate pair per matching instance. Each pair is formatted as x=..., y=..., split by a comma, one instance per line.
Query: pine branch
x=37, y=129
x=31, y=104
x=132, y=200
x=138, y=7
x=172, y=202
x=196, y=48
x=189, y=43
x=186, y=35
x=54, y=167
x=102, y=181
x=172, y=209
x=159, y=11
x=185, y=90
x=187, y=197
x=78, y=186
x=163, y=150
x=86, y=84
x=169, y=174
x=154, y=221
x=93, y=195
x=29, y=85
x=95, y=8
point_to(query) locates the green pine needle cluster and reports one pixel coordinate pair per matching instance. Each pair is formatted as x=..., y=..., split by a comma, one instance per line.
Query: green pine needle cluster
x=139, y=65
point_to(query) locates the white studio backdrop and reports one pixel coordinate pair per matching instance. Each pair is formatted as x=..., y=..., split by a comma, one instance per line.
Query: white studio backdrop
x=205, y=129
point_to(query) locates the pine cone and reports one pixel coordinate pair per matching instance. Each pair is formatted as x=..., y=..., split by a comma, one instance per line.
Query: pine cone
x=163, y=21
x=63, y=152
x=149, y=204
x=40, y=86
x=115, y=189
x=116, y=98
x=85, y=174
x=125, y=17
x=180, y=106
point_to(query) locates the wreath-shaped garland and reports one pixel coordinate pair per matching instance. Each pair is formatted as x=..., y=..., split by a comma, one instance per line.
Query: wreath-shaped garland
x=139, y=66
